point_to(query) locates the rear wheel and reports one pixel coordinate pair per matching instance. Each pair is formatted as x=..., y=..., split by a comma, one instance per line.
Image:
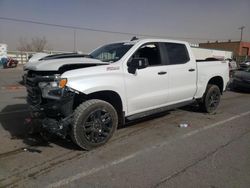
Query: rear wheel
x=95, y=121
x=211, y=99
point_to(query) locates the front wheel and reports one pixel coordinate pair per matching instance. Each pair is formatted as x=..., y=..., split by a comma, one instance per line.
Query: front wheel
x=211, y=99
x=95, y=121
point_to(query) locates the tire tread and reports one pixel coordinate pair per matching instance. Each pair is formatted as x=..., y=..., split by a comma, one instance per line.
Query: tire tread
x=79, y=111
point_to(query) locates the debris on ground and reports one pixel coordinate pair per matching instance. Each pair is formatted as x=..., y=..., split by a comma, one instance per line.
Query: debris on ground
x=183, y=125
x=32, y=150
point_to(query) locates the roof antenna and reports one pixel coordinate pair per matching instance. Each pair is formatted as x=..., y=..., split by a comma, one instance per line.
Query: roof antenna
x=134, y=38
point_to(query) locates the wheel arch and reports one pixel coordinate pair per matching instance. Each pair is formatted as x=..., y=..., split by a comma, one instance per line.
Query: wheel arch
x=217, y=80
x=109, y=96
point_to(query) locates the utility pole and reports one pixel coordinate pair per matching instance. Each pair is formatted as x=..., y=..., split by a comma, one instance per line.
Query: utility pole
x=74, y=40
x=241, y=32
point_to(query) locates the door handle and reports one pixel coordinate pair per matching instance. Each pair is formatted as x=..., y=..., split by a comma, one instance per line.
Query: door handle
x=162, y=72
x=191, y=70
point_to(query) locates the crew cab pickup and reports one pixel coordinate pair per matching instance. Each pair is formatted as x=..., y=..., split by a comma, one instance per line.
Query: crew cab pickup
x=87, y=96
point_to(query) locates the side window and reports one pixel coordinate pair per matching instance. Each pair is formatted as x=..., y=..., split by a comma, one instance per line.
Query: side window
x=149, y=51
x=177, y=53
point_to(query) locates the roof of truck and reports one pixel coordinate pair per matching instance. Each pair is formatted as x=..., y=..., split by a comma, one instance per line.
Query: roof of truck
x=153, y=40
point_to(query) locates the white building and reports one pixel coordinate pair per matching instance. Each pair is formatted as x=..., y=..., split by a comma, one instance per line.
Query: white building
x=3, y=50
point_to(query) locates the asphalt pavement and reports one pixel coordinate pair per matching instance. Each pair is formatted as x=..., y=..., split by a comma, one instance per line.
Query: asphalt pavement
x=213, y=151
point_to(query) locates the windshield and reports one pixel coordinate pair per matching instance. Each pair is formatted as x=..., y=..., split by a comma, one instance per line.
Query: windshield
x=111, y=52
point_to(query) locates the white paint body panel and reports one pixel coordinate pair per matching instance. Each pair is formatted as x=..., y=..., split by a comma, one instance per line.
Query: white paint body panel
x=98, y=78
x=208, y=70
x=203, y=53
x=55, y=64
x=144, y=90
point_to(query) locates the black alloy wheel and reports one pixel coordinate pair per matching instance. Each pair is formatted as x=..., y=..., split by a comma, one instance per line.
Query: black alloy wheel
x=211, y=99
x=94, y=123
x=98, y=126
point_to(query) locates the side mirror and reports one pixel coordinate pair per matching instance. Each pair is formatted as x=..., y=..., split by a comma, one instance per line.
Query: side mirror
x=137, y=63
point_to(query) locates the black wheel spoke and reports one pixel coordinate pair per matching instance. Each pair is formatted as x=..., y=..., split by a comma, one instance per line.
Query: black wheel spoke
x=106, y=127
x=98, y=114
x=103, y=134
x=98, y=126
x=91, y=136
x=216, y=101
x=213, y=100
x=106, y=118
x=88, y=130
x=88, y=124
x=94, y=123
x=92, y=117
x=99, y=138
x=95, y=138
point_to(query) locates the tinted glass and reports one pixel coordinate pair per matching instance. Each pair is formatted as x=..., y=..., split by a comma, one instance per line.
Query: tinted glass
x=177, y=53
x=149, y=51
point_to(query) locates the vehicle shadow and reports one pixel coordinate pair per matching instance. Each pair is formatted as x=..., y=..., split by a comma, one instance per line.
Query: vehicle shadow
x=13, y=118
x=192, y=108
x=143, y=119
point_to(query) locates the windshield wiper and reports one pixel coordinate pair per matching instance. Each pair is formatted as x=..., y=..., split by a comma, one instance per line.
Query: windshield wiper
x=89, y=56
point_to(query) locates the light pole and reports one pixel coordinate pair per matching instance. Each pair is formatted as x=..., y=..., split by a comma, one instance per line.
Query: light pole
x=74, y=40
x=241, y=32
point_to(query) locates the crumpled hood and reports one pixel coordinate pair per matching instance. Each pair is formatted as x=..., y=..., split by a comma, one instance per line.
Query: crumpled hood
x=55, y=64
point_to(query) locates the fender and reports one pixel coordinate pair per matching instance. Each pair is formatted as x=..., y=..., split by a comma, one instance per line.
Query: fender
x=99, y=78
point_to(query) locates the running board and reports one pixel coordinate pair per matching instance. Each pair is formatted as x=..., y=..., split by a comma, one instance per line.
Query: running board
x=158, y=110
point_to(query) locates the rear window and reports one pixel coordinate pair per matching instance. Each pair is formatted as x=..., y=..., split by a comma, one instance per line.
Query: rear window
x=177, y=53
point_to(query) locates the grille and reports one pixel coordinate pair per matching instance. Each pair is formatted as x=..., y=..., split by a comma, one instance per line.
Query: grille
x=34, y=93
x=32, y=79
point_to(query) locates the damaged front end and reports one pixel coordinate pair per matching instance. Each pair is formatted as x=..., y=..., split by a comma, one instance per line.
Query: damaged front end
x=51, y=102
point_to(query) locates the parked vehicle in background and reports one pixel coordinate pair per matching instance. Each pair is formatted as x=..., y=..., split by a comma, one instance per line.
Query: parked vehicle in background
x=232, y=66
x=241, y=79
x=245, y=64
x=36, y=57
x=87, y=97
x=8, y=62
x=11, y=63
x=3, y=50
x=3, y=55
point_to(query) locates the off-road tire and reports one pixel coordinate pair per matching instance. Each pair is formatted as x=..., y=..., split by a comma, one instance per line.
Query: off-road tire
x=82, y=114
x=211, y=95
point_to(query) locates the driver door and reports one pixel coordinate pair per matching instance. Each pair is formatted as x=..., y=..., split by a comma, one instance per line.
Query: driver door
x=147, y=88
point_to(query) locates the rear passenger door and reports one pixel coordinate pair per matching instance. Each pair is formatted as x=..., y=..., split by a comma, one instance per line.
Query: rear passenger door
x=182, y=73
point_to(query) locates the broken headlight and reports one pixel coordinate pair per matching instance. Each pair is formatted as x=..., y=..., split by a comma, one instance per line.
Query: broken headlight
x=53, y=89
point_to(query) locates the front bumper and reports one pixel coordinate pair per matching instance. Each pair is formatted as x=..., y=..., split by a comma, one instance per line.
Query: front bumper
x=50, y=105
x=55, y=108
x=54, y=117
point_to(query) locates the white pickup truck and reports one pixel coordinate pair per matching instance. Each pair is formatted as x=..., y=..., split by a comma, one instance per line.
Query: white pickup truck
x=88, y=96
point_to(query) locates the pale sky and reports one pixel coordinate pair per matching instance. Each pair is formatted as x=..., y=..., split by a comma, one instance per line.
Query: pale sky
x=191, y=20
